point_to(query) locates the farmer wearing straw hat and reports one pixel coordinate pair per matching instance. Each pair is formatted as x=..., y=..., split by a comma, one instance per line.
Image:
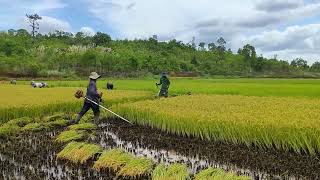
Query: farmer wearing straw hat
x=164, y=81
x=93, y=95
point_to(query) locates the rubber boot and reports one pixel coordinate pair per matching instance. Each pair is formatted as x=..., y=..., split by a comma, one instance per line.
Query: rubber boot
x=75, y=121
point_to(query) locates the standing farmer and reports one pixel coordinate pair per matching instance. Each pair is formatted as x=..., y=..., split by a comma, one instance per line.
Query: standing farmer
x=164, y=81
x=93, y=95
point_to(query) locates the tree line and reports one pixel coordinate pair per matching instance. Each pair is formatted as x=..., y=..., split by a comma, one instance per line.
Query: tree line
x=64, y=54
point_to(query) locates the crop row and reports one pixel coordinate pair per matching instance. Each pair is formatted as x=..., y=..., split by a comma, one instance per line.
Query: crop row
x=267, y=122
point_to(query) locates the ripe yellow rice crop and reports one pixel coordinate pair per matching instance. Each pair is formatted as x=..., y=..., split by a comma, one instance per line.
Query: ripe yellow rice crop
x=217, y=174
x=22, y=100
x=173, y=172
x=25, y=96
x=136, y=168
x=281, y=122
x=78, y=152
x=112, y=159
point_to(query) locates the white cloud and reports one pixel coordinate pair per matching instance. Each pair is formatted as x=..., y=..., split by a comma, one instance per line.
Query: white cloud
x=293, y=42
x=88, y=31
x=237, y=21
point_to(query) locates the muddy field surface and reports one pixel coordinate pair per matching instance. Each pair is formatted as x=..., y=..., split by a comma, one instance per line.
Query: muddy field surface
x=33, y=155
x=198, y=154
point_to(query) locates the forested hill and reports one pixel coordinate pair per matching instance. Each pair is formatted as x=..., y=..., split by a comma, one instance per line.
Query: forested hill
x=63, y=54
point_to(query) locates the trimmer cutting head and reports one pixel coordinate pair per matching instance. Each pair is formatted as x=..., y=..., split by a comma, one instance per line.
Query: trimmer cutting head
x=78, y=94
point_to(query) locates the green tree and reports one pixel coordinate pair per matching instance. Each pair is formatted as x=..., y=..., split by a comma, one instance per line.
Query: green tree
x=201, y=46
x=212, y=46
x=315, y=67
x=221, y=48
x=101, y=39
x=194, y=61
x=33, y=18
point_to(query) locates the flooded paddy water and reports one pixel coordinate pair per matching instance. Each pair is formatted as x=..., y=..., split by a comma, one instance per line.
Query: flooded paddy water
x=33, y=155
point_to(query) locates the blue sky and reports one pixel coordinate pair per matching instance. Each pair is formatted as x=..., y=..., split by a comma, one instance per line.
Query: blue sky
x=288, y=28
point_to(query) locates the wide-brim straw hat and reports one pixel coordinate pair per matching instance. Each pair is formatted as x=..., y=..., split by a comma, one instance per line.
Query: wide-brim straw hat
x=94, y=75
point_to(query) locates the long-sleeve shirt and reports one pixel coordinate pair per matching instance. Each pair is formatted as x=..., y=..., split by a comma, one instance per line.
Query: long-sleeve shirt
x=164, y=81
x=92, y=92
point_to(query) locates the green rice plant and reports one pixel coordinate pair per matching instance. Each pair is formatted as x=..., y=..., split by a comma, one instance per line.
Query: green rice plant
x=173, y=172
x=112, y=159
x=79, y=153
x=231, y=86
x=136, y=167
x=218, y=174
x=268, y=122
x=71, y=135
x=83, y=126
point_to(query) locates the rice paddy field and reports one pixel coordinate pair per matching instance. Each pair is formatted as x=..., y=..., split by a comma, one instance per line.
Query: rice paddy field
x=206, y=129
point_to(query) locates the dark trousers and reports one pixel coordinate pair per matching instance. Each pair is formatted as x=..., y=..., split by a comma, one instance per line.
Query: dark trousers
x=87, y=106
x=163, y=92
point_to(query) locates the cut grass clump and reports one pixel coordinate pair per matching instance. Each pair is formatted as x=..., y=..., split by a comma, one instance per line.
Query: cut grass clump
x=83, y=126
x=217, y=174
x=79, y=152
x=54, y=117
x=173, y=172
x=7, y=130
x=137, y=167
x=56, y=123
x=113, y=159
x=71, y=135
x=21, y=122
x=87, y=118
x=35, y=127
x=124, y=164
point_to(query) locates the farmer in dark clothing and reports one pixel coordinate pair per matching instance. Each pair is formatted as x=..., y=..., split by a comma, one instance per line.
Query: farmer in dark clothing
x=93, y=95
x=164, y=81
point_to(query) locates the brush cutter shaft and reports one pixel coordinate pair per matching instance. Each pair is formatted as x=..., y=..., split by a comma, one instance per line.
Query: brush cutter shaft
x=108, y=110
